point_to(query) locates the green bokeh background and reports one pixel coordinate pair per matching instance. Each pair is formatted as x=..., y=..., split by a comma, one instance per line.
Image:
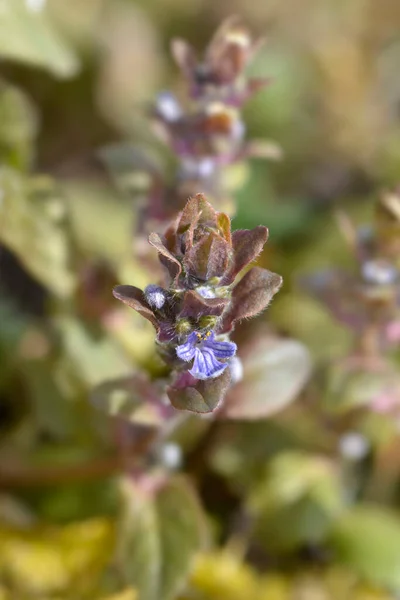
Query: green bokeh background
x=76, y=77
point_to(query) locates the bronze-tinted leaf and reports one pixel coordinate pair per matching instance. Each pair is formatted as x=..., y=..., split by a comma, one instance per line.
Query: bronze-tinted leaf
x=219, y=257
x=190, y=233
x=247, y=245
x=250, y=296
x=171, y=237
x=196, y=306
x=208, y=258
x=196, y=260
x=193, y=395
x=167, y=259
x=134, y=297
x=197, y=209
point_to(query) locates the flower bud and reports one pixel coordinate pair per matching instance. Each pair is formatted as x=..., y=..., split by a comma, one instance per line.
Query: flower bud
x=236, y=368
x=155, y=296
x=167, y=106
x=183, y=326
x=379, y=272
x=208, y=322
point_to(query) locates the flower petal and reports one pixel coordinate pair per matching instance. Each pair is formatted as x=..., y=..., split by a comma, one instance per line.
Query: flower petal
x=220, y=349
x=205, y=365
x=187, y=350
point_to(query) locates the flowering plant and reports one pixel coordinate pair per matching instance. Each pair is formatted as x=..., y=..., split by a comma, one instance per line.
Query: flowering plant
x=202, y=300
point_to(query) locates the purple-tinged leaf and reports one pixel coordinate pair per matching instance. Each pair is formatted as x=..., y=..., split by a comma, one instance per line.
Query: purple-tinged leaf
x=208, y=258
x=134, y=297
x=188, y=393
x=171, y=237
x=251, y=296
x=167, y=259
x=247, y=245
x=275, y=370
x=197, y=209
x=196, y=306
x=219, y=257
x=190, y=234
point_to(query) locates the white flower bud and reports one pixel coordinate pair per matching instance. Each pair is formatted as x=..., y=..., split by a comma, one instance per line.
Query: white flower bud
x=170, y=455
x=236, y=367
x=353, y=445
x=168, y=107
x=379, y=272
x=155, y=296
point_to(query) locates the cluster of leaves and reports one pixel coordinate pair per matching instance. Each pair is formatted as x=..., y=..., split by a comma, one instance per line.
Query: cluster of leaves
x=288, y=486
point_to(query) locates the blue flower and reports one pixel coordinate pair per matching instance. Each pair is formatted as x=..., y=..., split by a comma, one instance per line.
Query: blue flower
x=205, y=351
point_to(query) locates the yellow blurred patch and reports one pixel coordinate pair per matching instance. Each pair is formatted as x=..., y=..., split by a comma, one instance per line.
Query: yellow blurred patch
x=49, y=560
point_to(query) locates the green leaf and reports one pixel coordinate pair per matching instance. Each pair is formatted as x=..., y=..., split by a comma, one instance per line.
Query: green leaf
x=367, y=540
x=13, y=327
x=93, y=359
x=275, y=370
x=353, y=387
x=160, y=531
x=18, y=127
x=203, y=397
x=133, y=398
x=30, y=37
x=296, y=500
x=33, y=226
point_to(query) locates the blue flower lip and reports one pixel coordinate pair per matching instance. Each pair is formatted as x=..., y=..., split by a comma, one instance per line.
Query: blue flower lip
x=206, y=350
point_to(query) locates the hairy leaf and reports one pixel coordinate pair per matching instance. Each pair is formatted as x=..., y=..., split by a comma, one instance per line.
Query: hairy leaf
x=187, y=393
x=161, y=529
x=251, y=296
x=275, y=370
x=134, y=297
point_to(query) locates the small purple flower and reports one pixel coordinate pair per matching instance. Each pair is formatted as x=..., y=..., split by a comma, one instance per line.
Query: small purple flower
x=205, y=351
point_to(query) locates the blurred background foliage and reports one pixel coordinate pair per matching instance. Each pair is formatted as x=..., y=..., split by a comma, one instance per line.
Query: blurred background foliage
x=304, y=502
